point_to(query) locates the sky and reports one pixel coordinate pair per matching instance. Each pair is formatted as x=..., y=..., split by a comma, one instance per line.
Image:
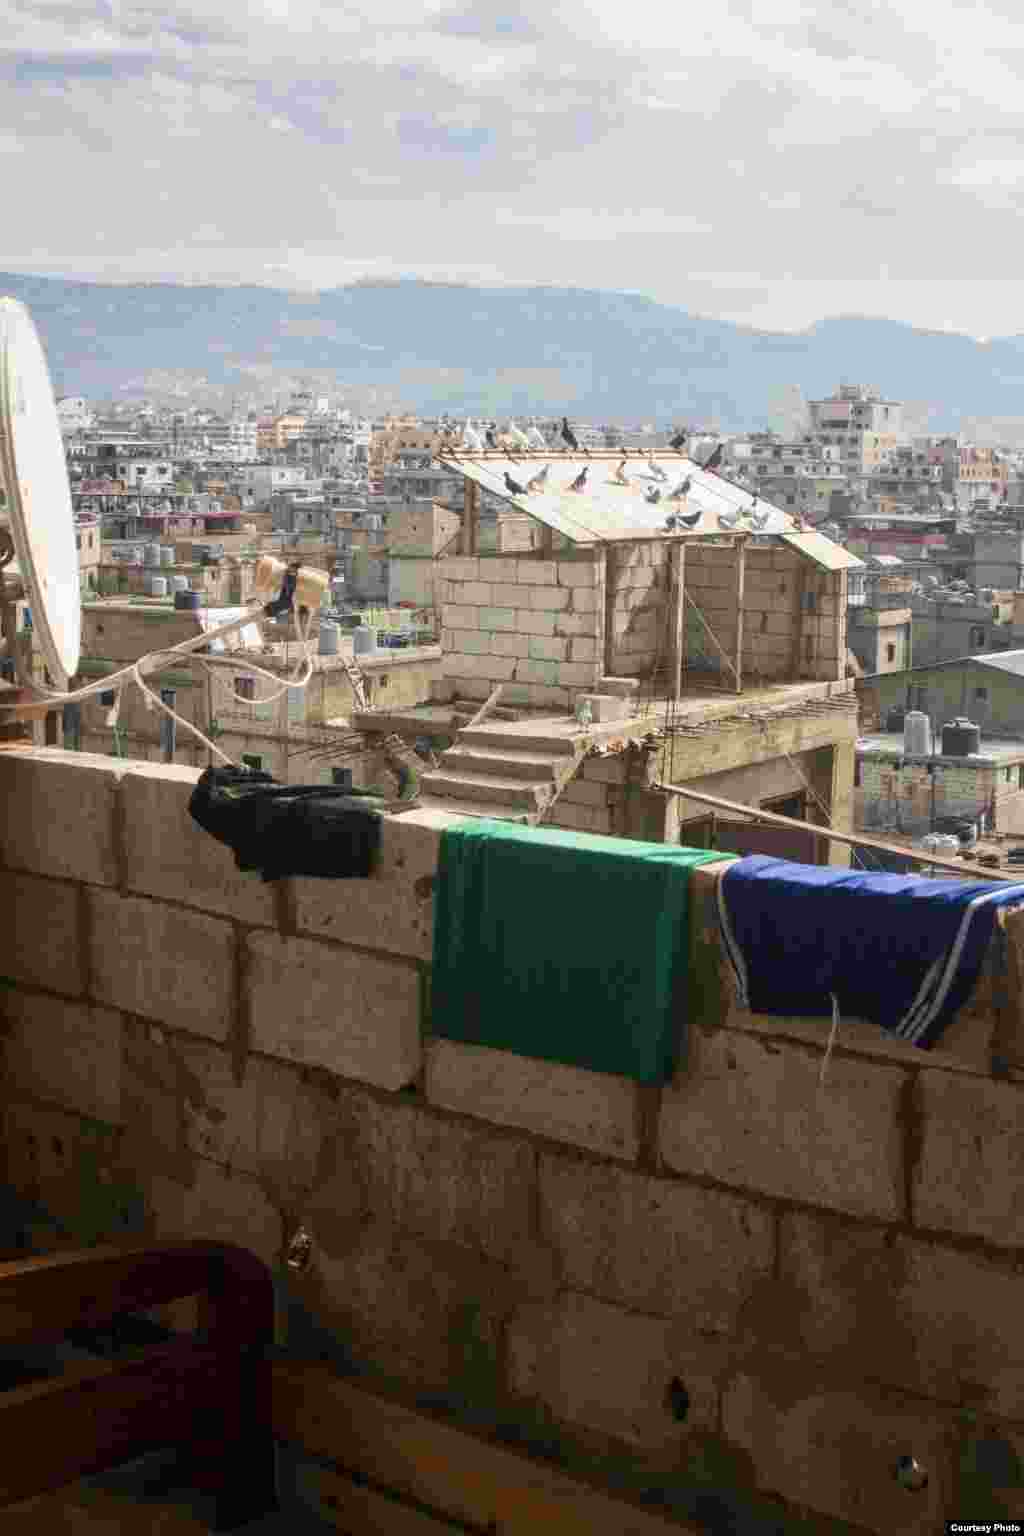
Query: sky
x=769, y=162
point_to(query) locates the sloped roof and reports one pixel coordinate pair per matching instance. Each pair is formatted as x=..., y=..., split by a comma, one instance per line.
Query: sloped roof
x=1003, y=661
x=607, y=511
x=815, y=546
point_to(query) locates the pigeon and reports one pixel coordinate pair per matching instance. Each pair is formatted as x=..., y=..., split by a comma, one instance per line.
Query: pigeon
x=514, y=486
x=670, y=522
x=653, y=495
x=471, y=438
x=539, y=480
x=728, y=519
x=580, y=481
x=679, y=441
x=760, y=519
x=536, y=438
x=682, y=490
x=716, y=458
x=492, y=441
x=690, y=520
x=569, y=437
x=621, y=478
x=518, y=436
x=656, y=470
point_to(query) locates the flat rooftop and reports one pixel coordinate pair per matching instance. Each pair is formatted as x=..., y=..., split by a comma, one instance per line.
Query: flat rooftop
x=993, y=749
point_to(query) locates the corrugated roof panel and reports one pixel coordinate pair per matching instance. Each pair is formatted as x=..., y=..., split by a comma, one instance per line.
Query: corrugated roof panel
x=815, y=546
x=608, y=510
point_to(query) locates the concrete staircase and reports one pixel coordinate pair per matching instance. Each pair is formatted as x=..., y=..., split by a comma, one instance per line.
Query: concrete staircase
x=513, y=773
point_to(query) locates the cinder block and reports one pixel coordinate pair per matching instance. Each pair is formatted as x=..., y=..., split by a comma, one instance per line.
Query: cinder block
x=576, y=817
x=586, y=1109
x=39, y=935
x=62, y=1052
x=493, y=568
x=477, y=593
x=548, y=648
x=578, y=573
x=751, y=1113
x=581, y=792
x=537, y=573
x=537, y=672
x=548, y=599
x=506, y=594
x=610, y=1371
x=656, y=1245
x=64, y=824
x=460, y=616
x=968, y=1176
x=584, y=600
x=469, y=642
x=355, y=1014
x=168, y=855
x=497, y=618
x=836, y=1451
x=869, y=1303
x=165, y=963
x=573, y=624
x=395, y=909
x=510, y=645
x=577, y=674
x=451, y=664
x=547, y=697
x=529, y=623
x=583, y=650
x=459, y=568
x=222, y=1206
x=71, y=1170
x=498, y=669
x=605, y=770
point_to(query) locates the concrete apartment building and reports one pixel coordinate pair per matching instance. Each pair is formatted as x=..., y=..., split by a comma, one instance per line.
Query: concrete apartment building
x=864, y=426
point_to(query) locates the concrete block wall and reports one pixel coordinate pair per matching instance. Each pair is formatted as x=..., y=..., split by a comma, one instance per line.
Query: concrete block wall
x=898, y=793
x=639, y=603
x=534, y=624
x=791, y=1281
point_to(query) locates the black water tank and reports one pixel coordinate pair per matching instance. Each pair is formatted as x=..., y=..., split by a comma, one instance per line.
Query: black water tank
x=896, y=718
x=188, y=600
x=960, y=738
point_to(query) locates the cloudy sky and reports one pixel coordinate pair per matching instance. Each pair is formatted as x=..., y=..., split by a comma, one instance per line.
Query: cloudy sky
x=767, y=161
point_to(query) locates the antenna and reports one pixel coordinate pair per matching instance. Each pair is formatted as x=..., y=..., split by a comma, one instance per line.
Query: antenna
x=38, y=516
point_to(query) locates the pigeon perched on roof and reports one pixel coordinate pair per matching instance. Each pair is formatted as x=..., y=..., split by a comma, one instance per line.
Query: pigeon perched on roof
x=679, y=441
x=471, y=438
x=581, y=480
x=536, y=437
x=682, y=490
x=489, y=434
x=621, y=478
x=514, y=486
x=728, y=519
x=760, y=519
x=569, y=437
x=539, y=480
x=715, y=458
x=691, y=519
x=656, y=470
x=653, y=495
x=517, y=435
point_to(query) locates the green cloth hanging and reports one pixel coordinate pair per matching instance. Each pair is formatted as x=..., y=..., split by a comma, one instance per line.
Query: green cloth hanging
x=563, y=945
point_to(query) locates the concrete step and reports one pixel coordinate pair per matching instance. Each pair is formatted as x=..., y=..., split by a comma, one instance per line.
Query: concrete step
x=506, y=763
x=488, y=812
x=525, y=737
x=487, y=789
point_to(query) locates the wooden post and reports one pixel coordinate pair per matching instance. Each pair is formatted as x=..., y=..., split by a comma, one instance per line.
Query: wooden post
x=677, y=642
x=470, y=517
x=611, y=577
x=741, y=578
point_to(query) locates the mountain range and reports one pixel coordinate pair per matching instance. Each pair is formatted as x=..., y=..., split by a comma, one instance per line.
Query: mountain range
x=452, y=347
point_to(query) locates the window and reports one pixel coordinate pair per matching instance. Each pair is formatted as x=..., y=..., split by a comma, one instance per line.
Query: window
x=890, y=653
x=245, y=687
x=977, y=636
x=981, y=695
x=342, y=777
x=250, y=760
x=107, y=698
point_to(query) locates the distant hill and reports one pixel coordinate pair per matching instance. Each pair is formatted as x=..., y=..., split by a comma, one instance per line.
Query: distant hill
x=600, y=356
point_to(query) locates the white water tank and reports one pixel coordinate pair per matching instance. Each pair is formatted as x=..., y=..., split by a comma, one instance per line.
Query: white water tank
x=167, y=554
x=179, y=583
x=364, y=640
x=330, y=634
x=917, y=734
x=151, y=554
x=156, y=586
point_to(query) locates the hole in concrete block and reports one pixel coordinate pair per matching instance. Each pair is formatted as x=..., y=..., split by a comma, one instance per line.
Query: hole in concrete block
x=678, y=1400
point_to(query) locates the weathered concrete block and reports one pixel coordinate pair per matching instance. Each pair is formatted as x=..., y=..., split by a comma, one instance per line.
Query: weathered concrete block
x=40, y=933
x=968, y=1177
x=868, y=1303
x=221, y=1206
x=836, y=1451
x=477, y=593
x=497, y=618
x=751, y=1113
x=537, y=573
x=460, y=616
x=584, y=600
x=548, y=599
x=548, y=648
x=604, y=708
x=355, y=1014
x=63, y=1052
x=573, y=624
x=167, y=855
x=655, y=1245
x=605, y=770
x=71, y=1169
x=171, y=965
x=494, y=568
x=510, y=645
x=547, y=697
x=506, y=594
x=529, y=623
x=609, y=1370
x=581, y=792
x=578, y=818
x=537, y=672
x=578, y=573
x=583, y=649
x=587, y=1109
x=470, y=642
x=64, y=824
x=459, y=568
x=577, y=674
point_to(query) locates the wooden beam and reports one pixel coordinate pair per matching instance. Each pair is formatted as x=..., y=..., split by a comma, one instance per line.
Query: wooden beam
x=444, y=1469
x=470, y=517
x=677, y=641
x=800, y=590
x=739, y=592
x=358, y=1510
x=611, y=576
x=486, y=706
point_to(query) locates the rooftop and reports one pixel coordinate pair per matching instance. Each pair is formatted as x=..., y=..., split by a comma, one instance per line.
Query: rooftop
x=993, y=749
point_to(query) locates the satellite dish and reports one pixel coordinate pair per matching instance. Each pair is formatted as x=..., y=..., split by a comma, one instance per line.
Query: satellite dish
x=38, y=509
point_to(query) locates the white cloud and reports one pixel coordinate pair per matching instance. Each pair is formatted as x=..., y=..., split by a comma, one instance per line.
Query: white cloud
x=767, y=161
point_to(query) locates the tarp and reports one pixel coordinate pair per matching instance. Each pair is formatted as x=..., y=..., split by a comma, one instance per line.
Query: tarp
x=563, y=945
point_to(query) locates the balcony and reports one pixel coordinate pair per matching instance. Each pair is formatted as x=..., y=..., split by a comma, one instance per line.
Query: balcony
x=759, y=1284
